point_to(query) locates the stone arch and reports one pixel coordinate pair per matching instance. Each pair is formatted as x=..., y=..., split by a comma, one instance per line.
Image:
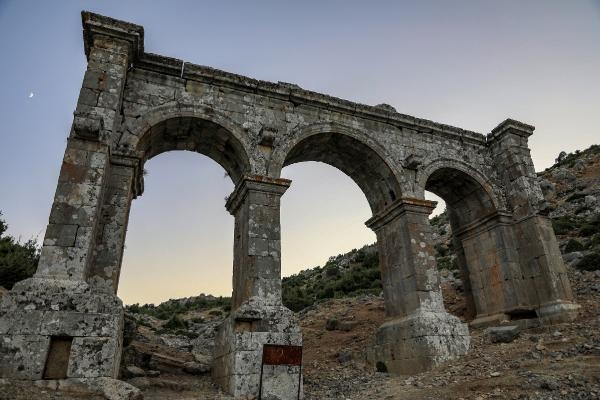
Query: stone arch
x=350, y=151
x=484, y=246
x=193, y=128
x=165, y=128
x=426, y=172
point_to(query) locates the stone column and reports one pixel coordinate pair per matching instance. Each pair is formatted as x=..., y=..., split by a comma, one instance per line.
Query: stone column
x=123, y=186
x=419, y=333
x=258, y=316
x=255, y=204
x=54, y=324
x=539, y=255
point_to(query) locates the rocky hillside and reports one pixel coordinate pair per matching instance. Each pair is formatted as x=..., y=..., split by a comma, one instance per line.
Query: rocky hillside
x=572, y=189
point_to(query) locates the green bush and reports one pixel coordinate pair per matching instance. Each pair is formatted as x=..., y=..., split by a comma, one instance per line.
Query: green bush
x=175, y=323
x=564, y=225
x=169, y=308
x=18, y=260
x=441, y=249
x=361, y=276
x=573, y=245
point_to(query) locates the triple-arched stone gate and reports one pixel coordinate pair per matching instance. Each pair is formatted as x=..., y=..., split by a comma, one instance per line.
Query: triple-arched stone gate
x=134, y=105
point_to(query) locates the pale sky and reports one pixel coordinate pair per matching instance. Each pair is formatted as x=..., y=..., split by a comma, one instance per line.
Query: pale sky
x=465, y=63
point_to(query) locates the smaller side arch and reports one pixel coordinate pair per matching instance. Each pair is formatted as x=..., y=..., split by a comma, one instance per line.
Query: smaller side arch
x=423, y=175
x=482, y=236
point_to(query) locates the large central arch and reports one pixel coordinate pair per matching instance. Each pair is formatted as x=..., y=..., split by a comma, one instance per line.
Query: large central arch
x=134, y=105
x=351, y=152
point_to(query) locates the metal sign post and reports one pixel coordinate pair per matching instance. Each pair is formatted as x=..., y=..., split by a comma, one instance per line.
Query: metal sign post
x=275, y=354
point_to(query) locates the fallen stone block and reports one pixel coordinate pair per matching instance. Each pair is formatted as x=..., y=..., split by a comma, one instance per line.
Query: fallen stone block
x=503, y=334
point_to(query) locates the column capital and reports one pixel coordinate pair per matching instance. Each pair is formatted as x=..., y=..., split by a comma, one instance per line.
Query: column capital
x=257, y=183
x=399, y=207
x=95, y=25
x=135, y=163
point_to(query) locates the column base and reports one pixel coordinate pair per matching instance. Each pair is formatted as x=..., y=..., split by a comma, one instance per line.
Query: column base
x=239, y=353
x=418, y=342
x=558, y=311
x=59, y=329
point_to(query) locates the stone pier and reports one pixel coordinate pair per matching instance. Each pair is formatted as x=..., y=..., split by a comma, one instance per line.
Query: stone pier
x=418, y=333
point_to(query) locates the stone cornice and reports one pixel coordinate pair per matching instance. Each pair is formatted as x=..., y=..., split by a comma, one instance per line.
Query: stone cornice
x=95, y=24
x=399, y=207
x=484, y=223
x=511, y=126
x=255, y=183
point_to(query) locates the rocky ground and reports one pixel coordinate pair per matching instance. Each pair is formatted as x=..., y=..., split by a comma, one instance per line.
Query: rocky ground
x=546, y=362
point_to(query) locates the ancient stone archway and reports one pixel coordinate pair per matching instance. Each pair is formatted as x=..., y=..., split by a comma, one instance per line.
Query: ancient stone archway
x=134, y=105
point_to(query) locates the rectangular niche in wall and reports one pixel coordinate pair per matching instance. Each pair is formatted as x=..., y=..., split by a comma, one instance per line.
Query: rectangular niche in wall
x=58, y=357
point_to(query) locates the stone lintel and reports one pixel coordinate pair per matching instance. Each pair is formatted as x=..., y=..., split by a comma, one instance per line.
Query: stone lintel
x=257, y=183
x=99, y=25
x=484, y=223
x=511, y=126
x=401, y=206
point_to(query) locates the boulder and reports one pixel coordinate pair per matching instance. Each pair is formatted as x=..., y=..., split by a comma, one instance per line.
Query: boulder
x=344, y=356
x=548, y=188
x=572, y=258
x=337, y=325
x=133, y=371
x=503, y=334
x=590, y=200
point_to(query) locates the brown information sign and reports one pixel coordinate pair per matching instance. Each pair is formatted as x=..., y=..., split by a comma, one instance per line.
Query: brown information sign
x=275, y=354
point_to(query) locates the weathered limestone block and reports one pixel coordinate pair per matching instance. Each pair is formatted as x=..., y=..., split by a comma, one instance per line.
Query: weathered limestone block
x=94, y=357
x=418, y=342
x=238, y=352
x=23, y=356
x=68, y=241
x=37, y=310
x=121, y=189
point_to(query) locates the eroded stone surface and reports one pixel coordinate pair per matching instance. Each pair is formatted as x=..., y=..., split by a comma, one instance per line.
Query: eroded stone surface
x=135, y=105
